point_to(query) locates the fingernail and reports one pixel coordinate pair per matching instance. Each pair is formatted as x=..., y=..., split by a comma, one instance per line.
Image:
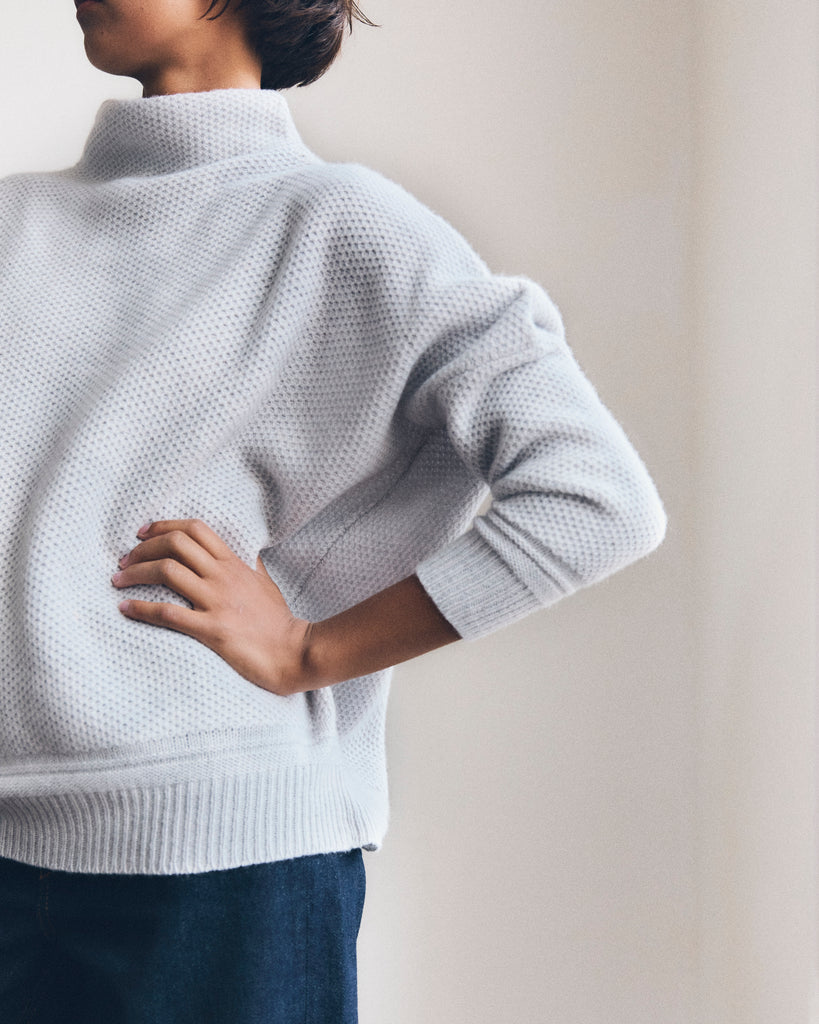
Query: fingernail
x=116, y=577
x=124, y=606
x=123, y=561
x=143, y=530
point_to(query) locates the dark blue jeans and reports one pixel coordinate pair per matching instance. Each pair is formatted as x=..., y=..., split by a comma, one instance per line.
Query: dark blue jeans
x=266, y=944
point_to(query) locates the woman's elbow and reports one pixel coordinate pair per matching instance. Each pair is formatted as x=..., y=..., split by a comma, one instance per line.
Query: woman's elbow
x=630, y=528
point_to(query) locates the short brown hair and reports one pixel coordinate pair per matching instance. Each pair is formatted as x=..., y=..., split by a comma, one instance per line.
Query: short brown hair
x=297, y=40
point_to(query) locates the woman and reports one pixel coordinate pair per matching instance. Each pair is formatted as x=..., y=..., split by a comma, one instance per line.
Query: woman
x=267, y=394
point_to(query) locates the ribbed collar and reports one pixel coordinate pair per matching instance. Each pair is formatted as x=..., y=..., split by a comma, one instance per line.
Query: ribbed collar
x=163, y=134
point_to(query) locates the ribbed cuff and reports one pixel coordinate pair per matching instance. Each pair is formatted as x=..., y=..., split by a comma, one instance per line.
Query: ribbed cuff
x=475, y=589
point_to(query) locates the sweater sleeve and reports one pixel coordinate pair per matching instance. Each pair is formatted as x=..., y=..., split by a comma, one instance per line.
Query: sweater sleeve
x=572, y=502
x=482, y=361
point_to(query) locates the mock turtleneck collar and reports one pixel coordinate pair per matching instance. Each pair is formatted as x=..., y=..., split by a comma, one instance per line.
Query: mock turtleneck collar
x=162, y=134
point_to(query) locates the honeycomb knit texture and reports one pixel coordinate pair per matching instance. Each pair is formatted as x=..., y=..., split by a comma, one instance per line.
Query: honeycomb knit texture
x=202, y=319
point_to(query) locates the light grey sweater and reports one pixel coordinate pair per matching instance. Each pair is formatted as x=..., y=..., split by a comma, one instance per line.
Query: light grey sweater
x=201, y=319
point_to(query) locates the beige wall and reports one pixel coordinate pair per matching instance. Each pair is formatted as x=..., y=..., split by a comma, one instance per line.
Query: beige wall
x=756, y=322
x=604, y=814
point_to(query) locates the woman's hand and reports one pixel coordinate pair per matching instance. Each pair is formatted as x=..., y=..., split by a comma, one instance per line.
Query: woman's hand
x=238, y=612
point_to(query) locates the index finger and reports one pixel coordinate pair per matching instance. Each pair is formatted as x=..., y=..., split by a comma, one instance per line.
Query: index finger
x=198, y=530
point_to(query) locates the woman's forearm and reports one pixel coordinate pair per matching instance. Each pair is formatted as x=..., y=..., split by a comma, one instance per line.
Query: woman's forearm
x=399, y=623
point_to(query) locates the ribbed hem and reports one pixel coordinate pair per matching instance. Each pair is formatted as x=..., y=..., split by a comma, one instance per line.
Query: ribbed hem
x=474, y=588
x=198, y=825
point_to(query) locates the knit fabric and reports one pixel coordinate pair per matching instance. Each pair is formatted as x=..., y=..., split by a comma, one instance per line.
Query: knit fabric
x=202, y=319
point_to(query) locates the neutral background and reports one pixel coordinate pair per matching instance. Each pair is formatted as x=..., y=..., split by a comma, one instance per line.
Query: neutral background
x=606, y=813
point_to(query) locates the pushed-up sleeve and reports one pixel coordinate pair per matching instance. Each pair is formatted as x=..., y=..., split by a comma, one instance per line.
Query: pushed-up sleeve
x=572, y=501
